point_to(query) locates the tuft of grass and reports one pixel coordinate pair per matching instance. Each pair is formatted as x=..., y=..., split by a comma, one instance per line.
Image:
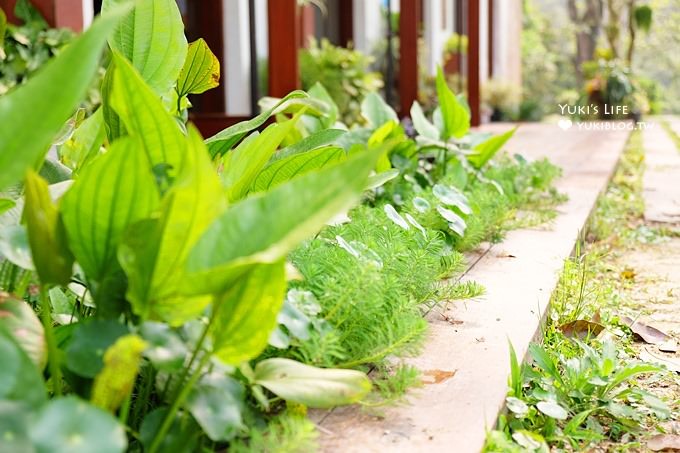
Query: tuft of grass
x=285, y=433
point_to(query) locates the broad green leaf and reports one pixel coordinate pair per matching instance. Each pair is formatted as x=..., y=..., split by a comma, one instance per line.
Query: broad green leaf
x=313, y=387
x=201, y=70
x=166, y=349
x=312, y=142
x=456, y=223
x=284, y=170
x=70, y=425
x=152, y=38
x=456, y=119
x=264, y=228
x=90, y=339
x=451, y=196
x=52, y=259
x=379, y=179
x=487, y=149
x=15, y=421
x=376, y=111
x=115, y=381
x=216, y=403
x=114, y=191
x=113, y=125
x=39, y=109
x=421, y=124
x=85, y=142
x=19, y=320
x=246, y=313
x=153, y=255
x=20, y=380
x=144, y=116
x=223, y=141
x=243, y=164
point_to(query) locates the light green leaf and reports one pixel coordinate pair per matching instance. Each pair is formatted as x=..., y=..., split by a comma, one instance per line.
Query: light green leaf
x=70, y=425
x=39, y=109
x=376, y=111
x=552, y=410
x=318, y=91
x=154, y=253
x=14, y=246
x=421, y=124
x=456, y=119
x=20, y=380
x=19, y=320
x=144, y=116
x=242, y=165
x=246, y=313
x=314, y=141
x=451, y=196
x=313, y=387
x=379, y=179
x=114, y=191
x=487, y=149
x=51, y=256
x=85, y=142
x=284, y=170
x=264, y=228
x=166, y=349
x=152, y=38
x=201, y=70
x=225, y=140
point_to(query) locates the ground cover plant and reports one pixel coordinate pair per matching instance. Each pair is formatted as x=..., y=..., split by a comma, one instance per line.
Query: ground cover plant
x=162, y=292
x=584, y=386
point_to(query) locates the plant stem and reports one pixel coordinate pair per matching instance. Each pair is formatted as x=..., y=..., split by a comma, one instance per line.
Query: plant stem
x=52, y=350
x=177, y=403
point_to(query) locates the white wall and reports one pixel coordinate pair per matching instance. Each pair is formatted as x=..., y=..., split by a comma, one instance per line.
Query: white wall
x=88, y=13
x=236, y=79
x=369, y=25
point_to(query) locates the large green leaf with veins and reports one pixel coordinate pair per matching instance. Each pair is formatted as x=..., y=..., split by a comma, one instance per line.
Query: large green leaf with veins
x=33, y=114
x=245, y=315
x=152, y=38
x=455, y=117
x=154, y=251
x=264, y=228
x=114, y=191
x=144, y=116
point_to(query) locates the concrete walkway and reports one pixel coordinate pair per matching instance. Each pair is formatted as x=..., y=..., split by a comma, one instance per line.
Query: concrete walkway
x=453, y=414
x=662, y=175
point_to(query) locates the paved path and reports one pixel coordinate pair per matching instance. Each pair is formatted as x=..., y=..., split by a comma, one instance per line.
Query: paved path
x=662, y=176
x=519, y=275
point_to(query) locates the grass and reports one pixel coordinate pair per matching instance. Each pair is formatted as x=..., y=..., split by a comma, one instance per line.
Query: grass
x=596, y=382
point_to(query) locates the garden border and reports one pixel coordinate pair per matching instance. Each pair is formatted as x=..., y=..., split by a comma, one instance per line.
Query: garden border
x=458, y=404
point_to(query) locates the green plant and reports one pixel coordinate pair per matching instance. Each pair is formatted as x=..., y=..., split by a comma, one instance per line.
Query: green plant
x=345, y=73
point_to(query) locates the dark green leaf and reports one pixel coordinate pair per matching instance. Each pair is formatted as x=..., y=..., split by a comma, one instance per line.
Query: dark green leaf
x=90, y=340
x=216, y=403
x=181, y=437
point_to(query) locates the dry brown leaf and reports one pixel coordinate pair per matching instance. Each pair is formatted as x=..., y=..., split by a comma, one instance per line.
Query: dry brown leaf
x=648, y=334
x=669, y=346
x=581, y=329
x=664, y=442
x=437, y=376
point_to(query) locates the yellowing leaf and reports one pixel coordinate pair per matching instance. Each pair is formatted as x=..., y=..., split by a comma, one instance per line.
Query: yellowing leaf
x=201, y=70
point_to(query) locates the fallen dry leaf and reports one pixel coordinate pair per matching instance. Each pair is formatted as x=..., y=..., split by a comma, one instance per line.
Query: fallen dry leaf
x=628, y=274
x=664, y=442
x=437, y=376
x=648, y=334
x=669, y=362
x=581, y=329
